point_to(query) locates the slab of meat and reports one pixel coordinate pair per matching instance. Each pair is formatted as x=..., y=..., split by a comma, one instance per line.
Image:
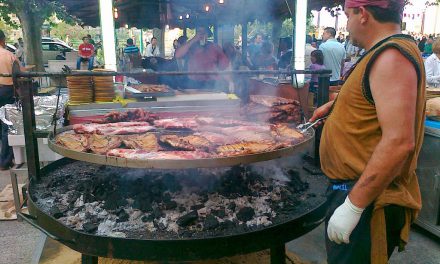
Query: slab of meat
x=283, y=131
x=146, y=142
x=130, y=115
x=102, y=144
x=92, y=128
x=270, y=101
x=252, y=136
x=217, y=138
x=165, y=155
x=124, y=130
x=213, y=121
x=176, y=123
x=191, y=142
x=246, y=148
x=73, y=142
x=230, y=131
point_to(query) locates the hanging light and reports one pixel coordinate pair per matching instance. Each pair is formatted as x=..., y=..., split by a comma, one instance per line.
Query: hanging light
x=115, y=13
x=187, y=16
x=207, y=8
x=180, y=17
x=221, y=1
x=126, y=26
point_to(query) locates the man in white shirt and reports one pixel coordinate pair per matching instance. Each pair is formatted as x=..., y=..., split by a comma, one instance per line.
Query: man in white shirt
x=334, y=55
x=432, y=65
x=152, y=49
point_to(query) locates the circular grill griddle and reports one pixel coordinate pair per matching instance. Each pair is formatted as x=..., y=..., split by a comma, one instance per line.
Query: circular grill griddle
x=184, y=249
x=180, y=164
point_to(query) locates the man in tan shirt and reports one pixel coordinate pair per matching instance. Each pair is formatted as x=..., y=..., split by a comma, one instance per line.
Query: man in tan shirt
x=7, y=59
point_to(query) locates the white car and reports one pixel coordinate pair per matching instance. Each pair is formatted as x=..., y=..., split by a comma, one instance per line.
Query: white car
x=52, y=49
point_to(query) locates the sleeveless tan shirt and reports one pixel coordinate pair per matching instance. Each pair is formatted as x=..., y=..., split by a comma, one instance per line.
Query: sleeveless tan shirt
x=352, y=132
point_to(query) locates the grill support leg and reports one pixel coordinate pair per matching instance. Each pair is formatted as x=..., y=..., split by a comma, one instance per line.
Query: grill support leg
x=278, y=254
x=86, y=259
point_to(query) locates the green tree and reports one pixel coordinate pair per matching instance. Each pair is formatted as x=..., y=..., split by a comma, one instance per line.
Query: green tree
x=32, y=14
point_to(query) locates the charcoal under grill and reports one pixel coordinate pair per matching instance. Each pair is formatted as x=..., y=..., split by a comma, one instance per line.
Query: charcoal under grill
x=307, y=213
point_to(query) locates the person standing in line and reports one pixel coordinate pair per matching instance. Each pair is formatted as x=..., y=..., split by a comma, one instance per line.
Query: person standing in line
x=19, y=52
x=432, y=65
x=372, y=139
x=86, y=52
x=309, y=50
x=152, y=49
x=334, y=55
x=7, y=59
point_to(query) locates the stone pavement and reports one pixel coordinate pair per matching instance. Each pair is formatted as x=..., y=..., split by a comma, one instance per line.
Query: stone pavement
x=18, y=241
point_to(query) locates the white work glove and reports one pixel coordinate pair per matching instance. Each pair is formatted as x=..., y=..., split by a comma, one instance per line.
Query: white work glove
x=343, y=221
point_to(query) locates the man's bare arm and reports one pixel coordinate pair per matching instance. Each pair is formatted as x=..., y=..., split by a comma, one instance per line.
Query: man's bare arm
x=393, y=82
x=182, y=51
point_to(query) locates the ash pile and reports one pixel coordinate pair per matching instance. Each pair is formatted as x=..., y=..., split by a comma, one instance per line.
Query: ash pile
x=154, y=204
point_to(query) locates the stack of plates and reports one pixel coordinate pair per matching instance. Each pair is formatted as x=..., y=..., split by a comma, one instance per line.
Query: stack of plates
x=80, y=89
x=104, y=87
x=432, y=93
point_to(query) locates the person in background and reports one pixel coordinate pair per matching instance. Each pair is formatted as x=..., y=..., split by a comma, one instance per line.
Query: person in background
x=341, y=38
x=266, y=59
x=309, y=50
x=175, y=46
x=19, y=52
x=7, y=59
x=316, y=64
x=181, y=63
x=202, y=55
x=152, y=49
x=91, y=41
x=350, y=49
x=428, y=46
x=422, y=44
x=254, y=49
x=372, y=138
x=334, y=55
x=286, y=53
x=86, y=52
x=432, y=66
x=132, y=55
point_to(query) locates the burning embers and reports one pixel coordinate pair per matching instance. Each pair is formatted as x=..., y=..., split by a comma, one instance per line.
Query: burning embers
x=156, y=204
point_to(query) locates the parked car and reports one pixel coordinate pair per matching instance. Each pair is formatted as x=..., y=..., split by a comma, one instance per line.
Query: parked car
x=52, y=50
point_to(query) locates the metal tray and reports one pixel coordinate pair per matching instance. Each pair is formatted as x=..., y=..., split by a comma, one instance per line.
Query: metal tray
x=134, y=93
x=179, y=164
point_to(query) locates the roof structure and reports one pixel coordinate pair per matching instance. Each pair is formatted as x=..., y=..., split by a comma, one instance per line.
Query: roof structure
x=179, y=13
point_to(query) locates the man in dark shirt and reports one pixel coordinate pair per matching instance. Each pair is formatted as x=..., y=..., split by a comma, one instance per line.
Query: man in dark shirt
x=202, y=55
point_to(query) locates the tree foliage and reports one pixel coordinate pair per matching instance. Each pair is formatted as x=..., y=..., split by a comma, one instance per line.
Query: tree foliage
x=32, y=14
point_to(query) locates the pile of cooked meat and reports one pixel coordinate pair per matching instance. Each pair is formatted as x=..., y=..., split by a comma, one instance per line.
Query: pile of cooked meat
x=147, y=137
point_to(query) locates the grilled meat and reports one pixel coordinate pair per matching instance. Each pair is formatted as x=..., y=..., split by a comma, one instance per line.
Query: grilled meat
x=285, y=132
x=246, y=148
x=191, y=142
x=214, y=121
x=270, y=101
x=146, y=142
x=231, y=131
x=252, y=136
x=124, y=130
x=73, y=142
x=165, y=155
x=176, y=123
x=130, y=115
x=102, y=144
x=93, y=128
x=217, y=138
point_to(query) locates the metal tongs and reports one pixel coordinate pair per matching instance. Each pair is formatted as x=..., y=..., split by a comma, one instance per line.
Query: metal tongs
x=304, y=127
